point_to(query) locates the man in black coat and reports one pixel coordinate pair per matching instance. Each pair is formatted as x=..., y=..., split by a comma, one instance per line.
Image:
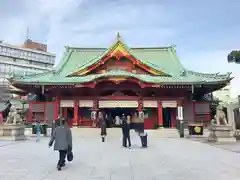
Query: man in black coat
x=62, y=139
x=126, y=132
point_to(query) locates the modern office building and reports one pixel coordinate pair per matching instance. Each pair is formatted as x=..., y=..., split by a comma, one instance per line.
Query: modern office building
x=26, y=59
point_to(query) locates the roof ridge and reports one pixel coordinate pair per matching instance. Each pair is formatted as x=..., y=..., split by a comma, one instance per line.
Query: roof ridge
x=31, y=75
x=209, y=74
x=105, y=48
x=85, y=48
x=174, y=55
x=143, y=77
x=64, y=60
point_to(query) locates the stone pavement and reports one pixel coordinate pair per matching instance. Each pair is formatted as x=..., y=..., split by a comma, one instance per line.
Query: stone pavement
x=234, y=147
x=165, y=159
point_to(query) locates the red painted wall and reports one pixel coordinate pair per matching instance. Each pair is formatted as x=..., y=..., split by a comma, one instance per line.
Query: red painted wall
x=151, y=120
x=173, y=117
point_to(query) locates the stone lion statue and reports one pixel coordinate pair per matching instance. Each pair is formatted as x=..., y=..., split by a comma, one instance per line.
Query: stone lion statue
x=13, y=117
x=220, y=116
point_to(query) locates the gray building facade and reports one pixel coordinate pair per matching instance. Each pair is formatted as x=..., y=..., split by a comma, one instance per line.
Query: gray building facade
x=22, y=60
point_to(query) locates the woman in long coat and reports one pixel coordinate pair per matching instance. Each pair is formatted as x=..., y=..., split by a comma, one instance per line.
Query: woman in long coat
x=100, y=119
x=103, y=130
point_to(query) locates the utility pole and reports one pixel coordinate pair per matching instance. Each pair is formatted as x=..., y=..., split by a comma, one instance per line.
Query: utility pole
x=27, y=34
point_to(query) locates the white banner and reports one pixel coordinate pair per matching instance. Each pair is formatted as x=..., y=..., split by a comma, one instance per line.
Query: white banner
x=151, y=104
x=67, y=103
x=118, y=104
x=85, y=103
x=171, y=104
x=180, y=112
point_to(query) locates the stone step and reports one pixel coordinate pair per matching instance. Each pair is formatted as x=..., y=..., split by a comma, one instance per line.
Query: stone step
x=117, y=132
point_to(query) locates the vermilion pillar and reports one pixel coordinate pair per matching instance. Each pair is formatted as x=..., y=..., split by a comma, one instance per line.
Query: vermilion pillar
x=160, y=114
x=173, y=118
x=75, y=116
x=64, y=110
x=30, y=115
x=194, y=110
x=56, y=107
x=45, y=112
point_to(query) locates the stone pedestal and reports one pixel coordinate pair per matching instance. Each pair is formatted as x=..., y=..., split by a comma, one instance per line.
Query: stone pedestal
x=221, y=133
x=12, y=132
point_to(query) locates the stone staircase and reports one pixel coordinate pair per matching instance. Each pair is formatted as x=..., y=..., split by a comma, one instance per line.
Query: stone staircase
x=117, y=132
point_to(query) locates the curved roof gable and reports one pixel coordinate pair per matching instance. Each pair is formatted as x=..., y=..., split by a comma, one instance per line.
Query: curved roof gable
x=163, y=60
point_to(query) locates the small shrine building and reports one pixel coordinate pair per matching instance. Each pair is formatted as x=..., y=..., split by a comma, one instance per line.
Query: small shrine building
x=149, y=80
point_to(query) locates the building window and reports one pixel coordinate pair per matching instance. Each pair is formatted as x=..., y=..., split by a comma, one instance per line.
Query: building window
x=18, y=53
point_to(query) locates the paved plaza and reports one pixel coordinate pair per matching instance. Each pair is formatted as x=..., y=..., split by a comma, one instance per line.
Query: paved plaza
x=165, y=159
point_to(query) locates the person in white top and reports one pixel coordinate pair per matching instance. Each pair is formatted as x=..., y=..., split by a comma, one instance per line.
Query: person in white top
x=117, y=120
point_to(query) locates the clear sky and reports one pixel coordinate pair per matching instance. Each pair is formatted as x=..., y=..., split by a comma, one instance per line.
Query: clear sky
x=203, y=31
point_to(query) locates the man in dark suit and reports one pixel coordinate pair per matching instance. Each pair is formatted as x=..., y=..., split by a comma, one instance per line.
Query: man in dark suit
x=126, y=132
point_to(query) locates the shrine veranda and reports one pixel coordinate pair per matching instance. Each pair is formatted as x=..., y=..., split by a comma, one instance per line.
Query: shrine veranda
x=150, y=81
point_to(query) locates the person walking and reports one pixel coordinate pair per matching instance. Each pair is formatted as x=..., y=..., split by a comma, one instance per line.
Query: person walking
x=103, y=130
x=143, y=137
x=135, y=121
x=123, y=118
x=38, y=128
x=126, y=132
x=129, y=120
x=100, y=119
x=62, y=139
x=107, y=119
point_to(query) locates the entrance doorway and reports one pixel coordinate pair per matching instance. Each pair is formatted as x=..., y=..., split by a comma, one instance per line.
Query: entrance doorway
x=67, y=113
x=114, y=115
x=167, y=117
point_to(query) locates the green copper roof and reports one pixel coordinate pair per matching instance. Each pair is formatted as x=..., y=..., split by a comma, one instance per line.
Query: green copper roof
x=61, y=79
x=162, y=59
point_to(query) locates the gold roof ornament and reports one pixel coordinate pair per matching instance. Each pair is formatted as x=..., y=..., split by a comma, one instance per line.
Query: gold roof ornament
x=118, y=36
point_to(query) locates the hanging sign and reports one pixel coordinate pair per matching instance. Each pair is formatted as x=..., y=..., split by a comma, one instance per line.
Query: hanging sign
x=118, y=104
x=85, y=103
x=66, y=103
x=180, y=112
x=171, y=104
x=150, y=104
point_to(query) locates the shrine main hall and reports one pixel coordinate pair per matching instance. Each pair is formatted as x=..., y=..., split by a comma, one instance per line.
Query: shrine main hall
x=120, y=79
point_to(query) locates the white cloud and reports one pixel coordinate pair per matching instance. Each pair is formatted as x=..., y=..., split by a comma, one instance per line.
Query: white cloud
x=149, y=23
x=77, y=23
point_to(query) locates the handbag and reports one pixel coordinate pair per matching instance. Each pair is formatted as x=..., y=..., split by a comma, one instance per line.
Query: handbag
x=69, y=155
